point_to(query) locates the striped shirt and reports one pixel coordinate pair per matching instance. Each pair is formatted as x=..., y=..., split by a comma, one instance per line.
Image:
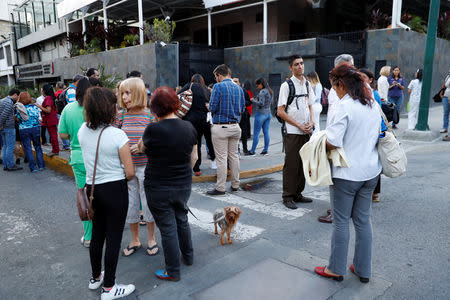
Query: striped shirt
x=134, y=126
x=70, y=93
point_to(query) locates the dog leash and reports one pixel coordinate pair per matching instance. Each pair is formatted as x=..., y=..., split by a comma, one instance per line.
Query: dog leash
x=220, y=219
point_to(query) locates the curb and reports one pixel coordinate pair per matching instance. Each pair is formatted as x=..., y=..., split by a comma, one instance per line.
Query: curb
x=61, y=165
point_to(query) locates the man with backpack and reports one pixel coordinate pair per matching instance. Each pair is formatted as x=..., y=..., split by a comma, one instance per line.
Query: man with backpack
x=295, y=110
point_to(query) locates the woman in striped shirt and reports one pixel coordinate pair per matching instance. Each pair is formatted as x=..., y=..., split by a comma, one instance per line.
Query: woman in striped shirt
x=133, y=119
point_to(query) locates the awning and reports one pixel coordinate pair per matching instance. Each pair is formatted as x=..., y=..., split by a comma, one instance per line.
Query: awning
x=213, y=3
x=69, y=6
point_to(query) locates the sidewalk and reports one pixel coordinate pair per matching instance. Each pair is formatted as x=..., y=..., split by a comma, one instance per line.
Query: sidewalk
x=251, y=166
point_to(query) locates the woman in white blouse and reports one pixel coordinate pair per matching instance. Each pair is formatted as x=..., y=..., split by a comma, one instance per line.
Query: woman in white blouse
x=382, y=83
x=317, y=106
x=355, y=128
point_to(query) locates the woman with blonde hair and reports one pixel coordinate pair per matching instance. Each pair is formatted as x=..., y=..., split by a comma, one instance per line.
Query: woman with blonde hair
x=133, y=119
x=382, y=83
x=317, y=106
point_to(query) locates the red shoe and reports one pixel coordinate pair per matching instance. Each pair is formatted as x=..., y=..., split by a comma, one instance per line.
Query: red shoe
x=198, y=173
x=362, y=279
x=321, y=272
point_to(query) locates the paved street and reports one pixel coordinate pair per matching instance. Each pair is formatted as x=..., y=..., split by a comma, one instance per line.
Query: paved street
x=41, y=256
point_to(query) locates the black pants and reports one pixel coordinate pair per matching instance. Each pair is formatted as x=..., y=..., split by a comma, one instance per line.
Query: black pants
x=203, y=129
x=43, y=136
x=169, y=209
x=293, y=177
x=110, y=211
x=378, y=187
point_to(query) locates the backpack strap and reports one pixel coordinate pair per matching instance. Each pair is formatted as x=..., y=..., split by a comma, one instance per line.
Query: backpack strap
x=291, y=94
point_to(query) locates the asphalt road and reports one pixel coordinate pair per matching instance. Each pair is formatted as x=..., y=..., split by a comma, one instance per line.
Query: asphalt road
x=41, y=256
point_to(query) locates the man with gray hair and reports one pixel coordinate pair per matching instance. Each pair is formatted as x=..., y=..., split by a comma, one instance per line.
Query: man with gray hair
x=332, y=105
x=332, y=96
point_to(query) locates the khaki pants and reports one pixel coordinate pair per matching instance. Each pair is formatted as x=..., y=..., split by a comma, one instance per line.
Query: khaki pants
x=293, y=177
x=225, y=139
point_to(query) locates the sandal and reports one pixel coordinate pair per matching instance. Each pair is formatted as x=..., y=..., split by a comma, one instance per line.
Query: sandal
x=375, y=198
x=161, y=274
x=132, y=249
x=149, y=249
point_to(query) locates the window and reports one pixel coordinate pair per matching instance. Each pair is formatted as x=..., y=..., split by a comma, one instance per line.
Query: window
x=259, y=17
x=2, y=54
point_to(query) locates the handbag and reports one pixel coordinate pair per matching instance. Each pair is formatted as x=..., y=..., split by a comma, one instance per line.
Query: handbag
x=437, y=98
x=392, y=156
x=84, y=203
x=185, y=103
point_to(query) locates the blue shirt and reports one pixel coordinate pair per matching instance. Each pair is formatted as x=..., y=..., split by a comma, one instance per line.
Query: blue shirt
x=395, y=92
x=227, y=102
x=33, y=117
x=377, y=97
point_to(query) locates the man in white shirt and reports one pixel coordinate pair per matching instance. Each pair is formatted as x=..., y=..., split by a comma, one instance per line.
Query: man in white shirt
x=298, y=118
x=333, y=101
x=332, y=97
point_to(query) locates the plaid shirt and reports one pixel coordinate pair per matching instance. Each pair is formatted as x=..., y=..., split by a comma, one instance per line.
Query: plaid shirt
x=227, y=102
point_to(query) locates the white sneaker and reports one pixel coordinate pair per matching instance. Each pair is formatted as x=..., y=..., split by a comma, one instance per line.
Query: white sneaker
x=118, y=291
x=96, y=283
x=443, y=130
x=213, y=165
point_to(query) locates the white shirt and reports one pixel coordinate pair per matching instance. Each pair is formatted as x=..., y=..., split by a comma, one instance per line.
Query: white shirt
x=109, y=166
x=416, y=89
x=300, y=114
x=40, y=100
x=383, y=87
x=332, y=100
x=356, y=128
x=447, y=85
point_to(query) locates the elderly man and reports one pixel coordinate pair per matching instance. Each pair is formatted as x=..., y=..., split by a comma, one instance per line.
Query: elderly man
x=332, y=107
x=8, y=130
x=226, y=104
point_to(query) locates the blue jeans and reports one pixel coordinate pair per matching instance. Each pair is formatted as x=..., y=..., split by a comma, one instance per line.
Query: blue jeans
x=169, y=208
x=446, y=111
x=9, y=141
x=351, y=199
x=261, y=121
x=27, y=136
x=397, y=101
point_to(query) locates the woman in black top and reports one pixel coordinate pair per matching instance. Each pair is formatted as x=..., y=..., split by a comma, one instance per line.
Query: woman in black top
x=170, y=145
x=197, y=117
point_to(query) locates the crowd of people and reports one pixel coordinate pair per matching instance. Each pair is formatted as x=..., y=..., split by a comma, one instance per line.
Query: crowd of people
x=148, y=154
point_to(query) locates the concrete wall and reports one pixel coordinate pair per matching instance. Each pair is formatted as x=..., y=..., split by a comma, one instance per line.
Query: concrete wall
x=406, y=49
x=158, y=65
x=252, y=62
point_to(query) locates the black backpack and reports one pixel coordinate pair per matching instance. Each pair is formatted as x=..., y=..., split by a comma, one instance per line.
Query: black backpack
x=291, y=97
x=61, y=101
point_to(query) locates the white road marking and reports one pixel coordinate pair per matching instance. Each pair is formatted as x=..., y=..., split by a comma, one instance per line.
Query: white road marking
x=242, y=232
x=17, y=230
x=276, y=209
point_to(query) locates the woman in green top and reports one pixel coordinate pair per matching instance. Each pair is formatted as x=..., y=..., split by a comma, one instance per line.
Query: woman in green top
x=69, y=123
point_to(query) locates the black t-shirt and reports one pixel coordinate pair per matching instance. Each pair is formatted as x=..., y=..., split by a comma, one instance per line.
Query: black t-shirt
x=169, y=146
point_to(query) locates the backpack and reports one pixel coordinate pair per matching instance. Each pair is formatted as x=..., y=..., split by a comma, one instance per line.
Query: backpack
x=61, y=101
x=324, y=97
x=291, y=97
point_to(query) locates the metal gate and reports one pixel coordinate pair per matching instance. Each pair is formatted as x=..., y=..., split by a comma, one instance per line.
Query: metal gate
x=199, y=59
x=328, y=47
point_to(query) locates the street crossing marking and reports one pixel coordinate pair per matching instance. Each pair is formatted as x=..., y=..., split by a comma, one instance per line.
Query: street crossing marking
x=242, y=232
x=276, y=209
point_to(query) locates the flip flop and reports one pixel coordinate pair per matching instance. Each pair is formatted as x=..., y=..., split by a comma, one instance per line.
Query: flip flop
x=132, y=249
x=161, y=274
x=150, y=249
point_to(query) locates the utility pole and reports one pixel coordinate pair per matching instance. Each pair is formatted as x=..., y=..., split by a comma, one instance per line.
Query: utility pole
x=422, y=123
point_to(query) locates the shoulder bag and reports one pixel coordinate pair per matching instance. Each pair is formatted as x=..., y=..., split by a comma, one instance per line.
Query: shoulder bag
x=392, y=156
x=84, y=204
x=185, y=103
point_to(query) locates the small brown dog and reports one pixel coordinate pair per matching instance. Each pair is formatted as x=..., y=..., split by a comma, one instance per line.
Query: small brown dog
x=227, y=219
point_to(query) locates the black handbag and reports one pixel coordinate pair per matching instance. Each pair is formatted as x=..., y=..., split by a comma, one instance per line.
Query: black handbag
x=390, y=111
x=437, y=98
